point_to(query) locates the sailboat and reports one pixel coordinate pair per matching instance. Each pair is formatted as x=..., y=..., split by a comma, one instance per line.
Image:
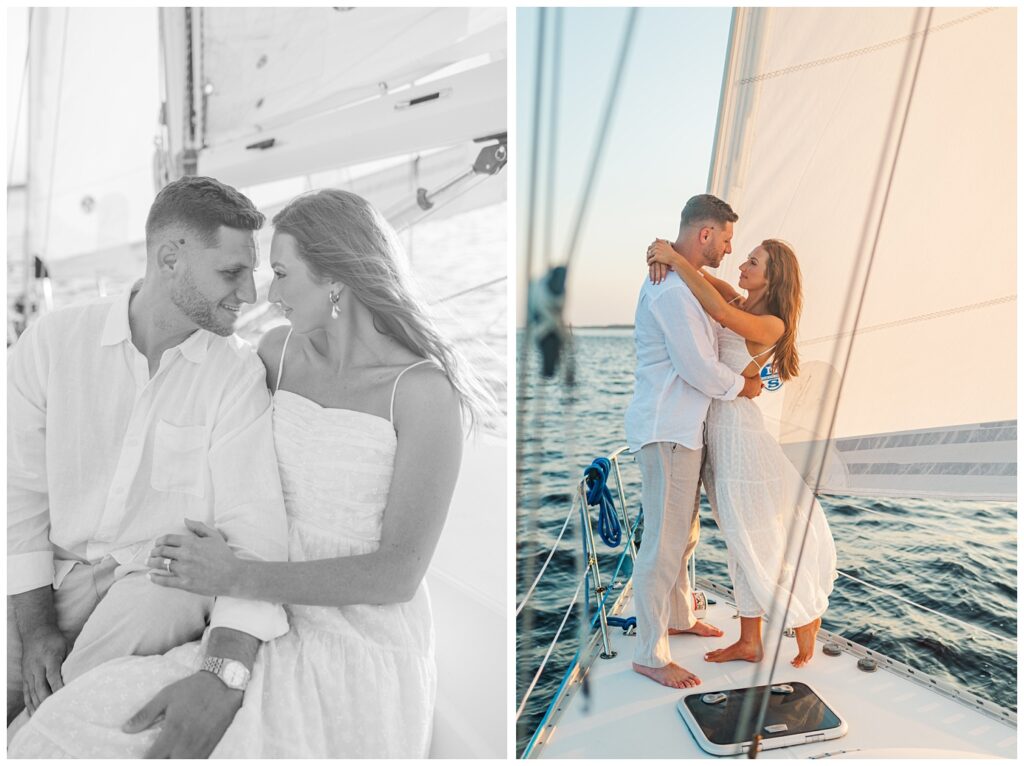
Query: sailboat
x=405, y=106
x=874, y=140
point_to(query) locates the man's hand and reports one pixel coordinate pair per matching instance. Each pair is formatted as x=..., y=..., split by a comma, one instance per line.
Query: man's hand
x=43, y=646
x=752, y=387
x=196, y=711
x=43, y=650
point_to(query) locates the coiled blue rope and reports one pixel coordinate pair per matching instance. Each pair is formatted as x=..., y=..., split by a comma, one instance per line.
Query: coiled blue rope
x=596, y=476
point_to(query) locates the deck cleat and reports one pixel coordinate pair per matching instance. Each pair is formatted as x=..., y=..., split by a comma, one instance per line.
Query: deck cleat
x=713, y=698
x=782, y=689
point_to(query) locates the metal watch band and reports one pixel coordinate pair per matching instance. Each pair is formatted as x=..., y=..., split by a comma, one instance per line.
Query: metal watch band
x=232, y=673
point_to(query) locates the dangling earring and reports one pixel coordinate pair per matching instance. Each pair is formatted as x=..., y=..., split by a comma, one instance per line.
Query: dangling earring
x=335, y=296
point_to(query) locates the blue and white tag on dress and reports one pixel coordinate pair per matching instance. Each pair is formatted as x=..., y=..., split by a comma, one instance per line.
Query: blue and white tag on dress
x=770, y=378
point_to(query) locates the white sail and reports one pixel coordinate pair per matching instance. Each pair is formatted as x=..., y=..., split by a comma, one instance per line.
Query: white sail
x=90, y=179
x=283, y=91
x=840, y=124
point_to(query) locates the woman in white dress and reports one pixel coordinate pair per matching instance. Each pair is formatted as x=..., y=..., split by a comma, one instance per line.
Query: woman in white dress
x=367, y=400
x=758, y=498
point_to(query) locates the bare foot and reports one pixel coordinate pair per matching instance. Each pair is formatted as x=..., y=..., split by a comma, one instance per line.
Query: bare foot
x=705, y=629
x=738, y=651
x=669, y=675
x=806, y=636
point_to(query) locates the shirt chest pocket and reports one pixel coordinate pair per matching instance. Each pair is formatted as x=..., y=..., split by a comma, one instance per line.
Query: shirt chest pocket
x=179, y=459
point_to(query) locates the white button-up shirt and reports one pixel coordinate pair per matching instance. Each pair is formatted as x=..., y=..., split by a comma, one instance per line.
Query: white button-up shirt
x=677, y=367
x=102, y=459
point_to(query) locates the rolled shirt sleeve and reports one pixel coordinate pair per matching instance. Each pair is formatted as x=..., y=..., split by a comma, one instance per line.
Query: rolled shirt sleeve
x=248, y=502
x=686, y=328
x=29, y=553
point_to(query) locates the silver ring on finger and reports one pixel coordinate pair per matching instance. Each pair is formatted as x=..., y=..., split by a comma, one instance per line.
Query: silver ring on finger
x=167, y=566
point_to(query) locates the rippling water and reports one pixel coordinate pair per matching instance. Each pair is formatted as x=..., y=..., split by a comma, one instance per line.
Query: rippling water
x=956, y=557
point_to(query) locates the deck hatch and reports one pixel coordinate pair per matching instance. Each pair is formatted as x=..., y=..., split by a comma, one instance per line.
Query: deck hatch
x=793, y=718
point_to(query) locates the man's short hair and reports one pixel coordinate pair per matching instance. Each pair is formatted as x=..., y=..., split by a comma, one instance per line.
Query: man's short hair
x=202, y=205
x=707, y=207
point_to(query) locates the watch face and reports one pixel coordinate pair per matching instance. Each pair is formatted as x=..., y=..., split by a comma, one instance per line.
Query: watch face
x=235, y=674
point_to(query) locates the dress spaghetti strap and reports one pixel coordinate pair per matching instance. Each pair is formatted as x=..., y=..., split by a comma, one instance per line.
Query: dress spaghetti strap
x=280, y=365
x=394, y=388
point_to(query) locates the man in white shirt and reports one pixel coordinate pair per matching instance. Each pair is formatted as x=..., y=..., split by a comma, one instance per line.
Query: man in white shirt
x=677, y=375
x=125, y=417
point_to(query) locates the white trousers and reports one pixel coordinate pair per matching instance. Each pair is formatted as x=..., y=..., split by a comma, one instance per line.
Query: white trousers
x=104, y=618
x=662, y=592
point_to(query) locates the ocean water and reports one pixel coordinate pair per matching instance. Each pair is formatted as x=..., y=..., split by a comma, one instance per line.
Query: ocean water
x=956, y=557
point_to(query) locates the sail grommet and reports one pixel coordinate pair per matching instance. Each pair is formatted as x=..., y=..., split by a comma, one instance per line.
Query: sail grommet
x=831, y=649
x=867, y=664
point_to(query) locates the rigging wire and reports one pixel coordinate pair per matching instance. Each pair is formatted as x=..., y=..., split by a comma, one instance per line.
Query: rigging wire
x=551, y=648
x=929, y=30
x=547, y=561
x=763, y=708
x=473, y=289
x=967, y=625
x=595, y=160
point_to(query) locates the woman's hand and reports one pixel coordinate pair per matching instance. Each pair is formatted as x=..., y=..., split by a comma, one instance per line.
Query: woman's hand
x=660, y=258
x=200, y=563
x=661, y=251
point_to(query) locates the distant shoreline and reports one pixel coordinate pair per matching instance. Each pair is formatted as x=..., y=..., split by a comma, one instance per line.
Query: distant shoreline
x=520, y=328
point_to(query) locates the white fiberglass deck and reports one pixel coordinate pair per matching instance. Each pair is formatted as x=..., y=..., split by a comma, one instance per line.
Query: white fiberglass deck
x=888, y=713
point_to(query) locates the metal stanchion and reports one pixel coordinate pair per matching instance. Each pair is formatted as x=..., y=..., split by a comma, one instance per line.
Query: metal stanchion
x=614, y=458
x=595, y=572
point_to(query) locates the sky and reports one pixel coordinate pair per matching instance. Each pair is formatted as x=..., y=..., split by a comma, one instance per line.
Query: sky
x=657, y=152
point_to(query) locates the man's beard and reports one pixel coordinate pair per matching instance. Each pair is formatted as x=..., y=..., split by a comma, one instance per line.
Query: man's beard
x=189, y=300
x=712, y=255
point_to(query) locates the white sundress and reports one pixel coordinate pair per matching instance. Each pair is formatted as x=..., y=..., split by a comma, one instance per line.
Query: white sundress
x=762, y=506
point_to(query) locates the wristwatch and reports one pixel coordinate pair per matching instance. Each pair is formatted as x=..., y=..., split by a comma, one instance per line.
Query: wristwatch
x=233, y=673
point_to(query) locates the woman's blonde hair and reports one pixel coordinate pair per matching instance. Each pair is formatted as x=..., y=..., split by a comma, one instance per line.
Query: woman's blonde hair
x=343, y=237
x=784, y=299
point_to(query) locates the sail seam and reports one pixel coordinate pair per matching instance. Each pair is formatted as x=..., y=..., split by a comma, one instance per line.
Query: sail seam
x=909, y=320
x=866, y=50
x=933, y=469
x=982, y=434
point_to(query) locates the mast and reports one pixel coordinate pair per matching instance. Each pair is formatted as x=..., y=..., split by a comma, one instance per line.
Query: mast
x=26, y=254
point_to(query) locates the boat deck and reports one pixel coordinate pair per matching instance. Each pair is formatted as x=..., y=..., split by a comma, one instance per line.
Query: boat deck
x=891, y=712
